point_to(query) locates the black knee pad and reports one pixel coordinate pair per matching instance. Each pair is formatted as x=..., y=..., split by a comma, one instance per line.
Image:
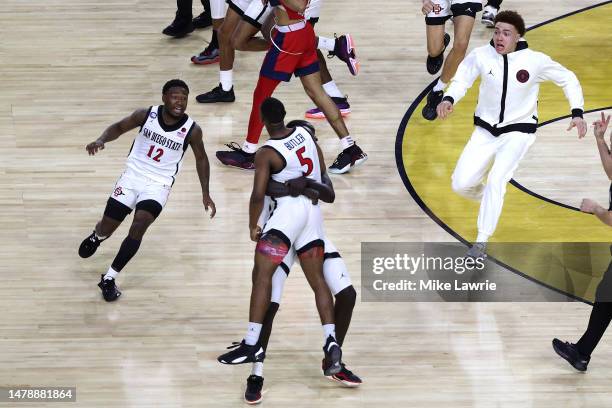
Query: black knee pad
x=150, y=206
x=347, y=295
x=116, y=210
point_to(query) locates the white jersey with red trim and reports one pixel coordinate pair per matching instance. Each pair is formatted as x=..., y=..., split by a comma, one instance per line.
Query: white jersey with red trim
x=299, y=152
x=158, y=149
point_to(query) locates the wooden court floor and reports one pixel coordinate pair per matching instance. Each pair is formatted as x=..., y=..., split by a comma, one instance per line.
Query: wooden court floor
x=70, y=68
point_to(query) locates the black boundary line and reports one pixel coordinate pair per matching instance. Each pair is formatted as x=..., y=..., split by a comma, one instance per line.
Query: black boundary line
x=404, y=176
x=536, y=195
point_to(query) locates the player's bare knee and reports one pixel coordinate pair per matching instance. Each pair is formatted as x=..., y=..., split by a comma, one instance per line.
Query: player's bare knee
x=313, y=252
x=273, y=248
x=348, y=296
x=460, y=46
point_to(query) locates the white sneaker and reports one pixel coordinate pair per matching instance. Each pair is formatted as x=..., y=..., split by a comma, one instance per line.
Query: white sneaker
x=477, y=251
x=488, y=16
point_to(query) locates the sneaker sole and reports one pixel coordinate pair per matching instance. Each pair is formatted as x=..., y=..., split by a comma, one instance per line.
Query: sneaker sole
x=567, y=358
x=217, y=101
x=215, y=60
x=487, y=23
x=254, y=402
x=348, y=168
x=353, y=62
x=237, y=166
x=345, y=383
x=320, y=115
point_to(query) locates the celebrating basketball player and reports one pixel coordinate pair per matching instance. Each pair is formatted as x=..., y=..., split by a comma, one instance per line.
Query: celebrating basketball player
x=154, y=160
x=295, y=222
x=335, y=273
x=579, y=354
x=292, y=52
x=506, y=116
x=437, y=12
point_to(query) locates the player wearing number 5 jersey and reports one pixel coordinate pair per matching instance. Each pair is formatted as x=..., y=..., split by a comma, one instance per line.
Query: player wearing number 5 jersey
x=154, y=161
x=294, y=223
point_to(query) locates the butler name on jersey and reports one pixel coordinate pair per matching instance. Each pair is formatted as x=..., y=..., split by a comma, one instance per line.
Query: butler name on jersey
x=158, y=149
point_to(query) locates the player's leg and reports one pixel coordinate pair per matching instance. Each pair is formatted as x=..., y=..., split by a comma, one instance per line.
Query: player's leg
x=351, y=154
x=182, y=25
x=473, y=164
x=211, y=54
x=224, y=92
x=490, y=12
x=255, y=18
x=204, y=19
x=338, y=280
x=436, y=38
x=513, y=147
x=114, y=214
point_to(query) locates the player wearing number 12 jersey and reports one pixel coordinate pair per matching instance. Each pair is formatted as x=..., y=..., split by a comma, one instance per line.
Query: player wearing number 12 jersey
x=154, y=160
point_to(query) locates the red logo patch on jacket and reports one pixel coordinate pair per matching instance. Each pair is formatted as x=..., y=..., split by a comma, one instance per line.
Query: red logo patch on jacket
x=522, y=76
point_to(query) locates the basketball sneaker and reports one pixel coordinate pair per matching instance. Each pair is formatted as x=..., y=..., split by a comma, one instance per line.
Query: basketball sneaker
x=435, y=63
x=217, y=95
x=332, y=363
x=236, y=157
x=178, y=29
x=89, y=245
x=343, y=106
x=488, y=16
x=570, y=353
x=344, y=49
x=252, y=394
x=242, y=354
x=429, y=111
x=210, y=55
x=349, y=158
x=345, y=377
x=202, y=21
x=110, y=292
x=477, y=251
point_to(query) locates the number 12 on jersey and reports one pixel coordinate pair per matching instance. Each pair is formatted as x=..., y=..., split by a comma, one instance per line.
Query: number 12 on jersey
x=304, y=161
x=159, y=153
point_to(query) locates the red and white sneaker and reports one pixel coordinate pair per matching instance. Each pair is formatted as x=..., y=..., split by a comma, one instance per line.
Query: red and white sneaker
x=345, y=377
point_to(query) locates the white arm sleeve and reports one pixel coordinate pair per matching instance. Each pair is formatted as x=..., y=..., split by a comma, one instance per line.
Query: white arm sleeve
x=467, y=72
x=553, y=71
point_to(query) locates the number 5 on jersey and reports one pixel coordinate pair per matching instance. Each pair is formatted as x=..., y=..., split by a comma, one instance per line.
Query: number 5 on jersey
x=159, y=153
x=304, y=161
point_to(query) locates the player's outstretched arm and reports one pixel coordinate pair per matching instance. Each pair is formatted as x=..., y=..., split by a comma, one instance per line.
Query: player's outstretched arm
x=136, y=119
x=591, y=207
x=599, y=129
x=203, y=168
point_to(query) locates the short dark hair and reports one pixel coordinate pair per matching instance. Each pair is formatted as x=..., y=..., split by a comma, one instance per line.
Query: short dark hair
x=272, y=110
x=174, y=83
x=512, y=17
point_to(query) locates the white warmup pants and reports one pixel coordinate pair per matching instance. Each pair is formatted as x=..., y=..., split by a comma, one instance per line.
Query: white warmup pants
x=499, y=156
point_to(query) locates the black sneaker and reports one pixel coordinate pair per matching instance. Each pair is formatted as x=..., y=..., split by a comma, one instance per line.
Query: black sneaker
x=210, y=55
x=346, y=377
x=236, y=157
x=252, y=394
x=350, y=157
x=178, y=29
x=435, y=63
x=242, y=354
x=429, y=111
x=202, y=21
x=332, y=364
x=571, y=354
x=110, y=292
x=217, y=95
x=89, y=245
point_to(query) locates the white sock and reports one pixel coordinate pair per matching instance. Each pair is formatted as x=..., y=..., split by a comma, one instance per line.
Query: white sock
x=329, y=330
x=111, y=274
x=225, y=77
x=346, y=142
x=482, y=237
x=252, y=335
x=249, y=147
x=326, y=44
x=439, y=86
x=257, y=369
x=100, y=237
x=332, y=90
